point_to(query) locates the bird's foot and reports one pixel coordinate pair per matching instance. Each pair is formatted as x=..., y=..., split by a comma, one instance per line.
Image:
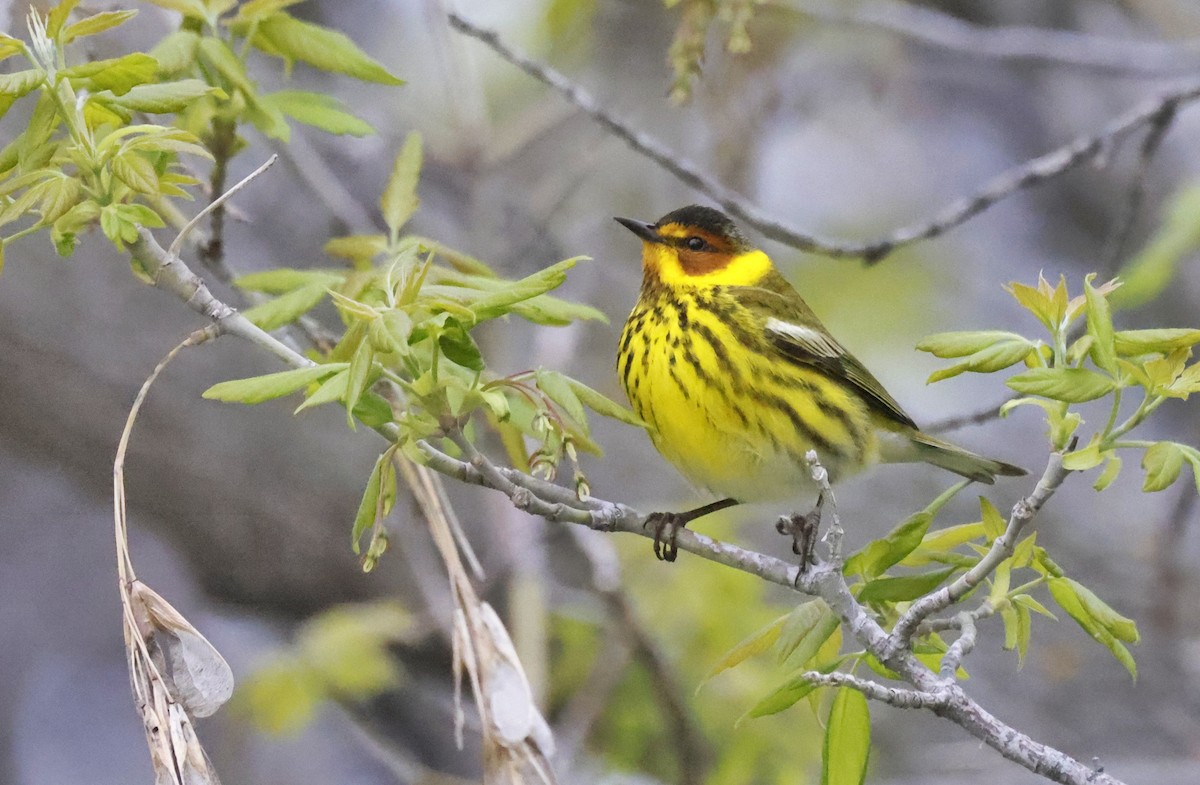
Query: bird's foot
x=666, y=526
x=803, y=528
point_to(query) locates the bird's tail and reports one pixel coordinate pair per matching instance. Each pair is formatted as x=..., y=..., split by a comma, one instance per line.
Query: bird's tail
x=925, y=448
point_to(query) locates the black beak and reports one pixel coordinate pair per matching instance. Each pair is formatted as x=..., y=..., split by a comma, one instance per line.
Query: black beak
x=646, y=231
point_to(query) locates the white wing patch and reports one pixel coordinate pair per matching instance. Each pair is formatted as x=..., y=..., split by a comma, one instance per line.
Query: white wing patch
x=814, y=340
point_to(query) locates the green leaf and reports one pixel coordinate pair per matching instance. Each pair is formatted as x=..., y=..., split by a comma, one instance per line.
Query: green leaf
x=907, y=587
x=332, y=389
x=399, y=200
x=559, y=390
x=1040, y=301
x=1161, y=462
x=847, y=739
x=458, y=346
x=961, y=344
x=751, y=646
x=1099, y=326
x=98, y=23
x=163, y=97
x=994, y=358
x=16, y=85
x=176, y=52
x=785, y=696
x=118, y=75
x=293, y=39
x=284, y=279
x=603, y=405
x=359, y=378
x=1111, y=470
x=873, y=560
x=804, y=637
x=273, y=314
x=227, y=63
x=377, y=499
x=259, y=9
x=501, y=301
x=1072, y=385
x=993, y=522
x=318, y=110
x=1085, y=458
x=1033, y=605
x=1133, y=343
x=58, y=16
x=1066, y=593
x=275, y=385
x=136, y=171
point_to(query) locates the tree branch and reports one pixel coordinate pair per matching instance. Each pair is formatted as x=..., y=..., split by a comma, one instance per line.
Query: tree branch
x=1038, y=170
x=823, y=580
x=1066, y=48
x=1023, y=513
x=893, y=696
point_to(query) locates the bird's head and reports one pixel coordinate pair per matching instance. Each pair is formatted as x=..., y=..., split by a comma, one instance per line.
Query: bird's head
x=698, y=246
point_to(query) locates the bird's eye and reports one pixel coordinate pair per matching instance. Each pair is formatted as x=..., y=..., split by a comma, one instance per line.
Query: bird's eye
x=695, y=243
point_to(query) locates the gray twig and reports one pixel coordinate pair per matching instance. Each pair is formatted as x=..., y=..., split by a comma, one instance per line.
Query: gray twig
x=959, y=650
x=947, y=424
x=893, y=696
x=1118, y=239
x=1066, y=48
x=1038, y=170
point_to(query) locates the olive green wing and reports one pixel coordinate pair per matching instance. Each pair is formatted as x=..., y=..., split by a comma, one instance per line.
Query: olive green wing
x=792, y=329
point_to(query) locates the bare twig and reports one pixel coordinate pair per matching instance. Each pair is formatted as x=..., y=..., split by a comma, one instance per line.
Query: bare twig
x=1026, y=175
x=959, y=650
x=1118, y=238
x=986, y=414
x=215, y=204
x=893, y=696
x=1065, y=48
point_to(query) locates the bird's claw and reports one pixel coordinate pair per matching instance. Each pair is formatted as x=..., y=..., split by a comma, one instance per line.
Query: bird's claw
x=803, y=529
x=666, y=527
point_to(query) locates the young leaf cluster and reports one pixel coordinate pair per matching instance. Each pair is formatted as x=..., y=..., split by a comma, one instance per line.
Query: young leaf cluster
x=408, y=355
x=88, y=157
x=81, y=160
x=1083, y=358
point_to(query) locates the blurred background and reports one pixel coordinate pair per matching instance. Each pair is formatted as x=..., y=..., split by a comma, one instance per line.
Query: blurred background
x=241, y=516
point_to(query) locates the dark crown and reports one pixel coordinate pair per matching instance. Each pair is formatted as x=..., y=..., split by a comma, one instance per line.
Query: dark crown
x=710, y=220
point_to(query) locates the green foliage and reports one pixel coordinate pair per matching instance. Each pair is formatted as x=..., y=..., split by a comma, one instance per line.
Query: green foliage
x=408, y=357
x=1101, y=363
x=847, y=739
x=80, y=161
x=341, y=654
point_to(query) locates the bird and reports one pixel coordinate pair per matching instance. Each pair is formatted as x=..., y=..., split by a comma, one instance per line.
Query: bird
x=738, y=380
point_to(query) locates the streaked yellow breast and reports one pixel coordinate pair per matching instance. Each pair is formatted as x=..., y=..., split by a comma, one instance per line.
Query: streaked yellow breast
x=725, y=408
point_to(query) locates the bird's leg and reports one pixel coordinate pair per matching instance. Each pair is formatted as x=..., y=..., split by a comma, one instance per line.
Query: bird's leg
x=667, y=525
x=803, y=528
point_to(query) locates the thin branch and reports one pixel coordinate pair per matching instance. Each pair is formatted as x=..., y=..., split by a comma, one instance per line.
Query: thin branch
x=1023, y=513
x=1080, y=150
x=959, y=650
x=1118, y=239
x=1065, y=48
x=947, y=424
x=893, y=696
x=215, y=204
